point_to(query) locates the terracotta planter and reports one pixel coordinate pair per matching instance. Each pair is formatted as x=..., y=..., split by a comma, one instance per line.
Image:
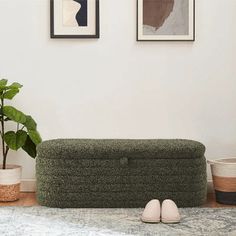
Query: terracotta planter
x=224, y=180
x=10, y=183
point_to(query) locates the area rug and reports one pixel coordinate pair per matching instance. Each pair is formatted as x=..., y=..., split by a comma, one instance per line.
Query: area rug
x=34, y=221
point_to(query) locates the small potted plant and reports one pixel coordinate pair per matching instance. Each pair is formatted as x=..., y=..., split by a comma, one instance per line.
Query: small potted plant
x=25, y=136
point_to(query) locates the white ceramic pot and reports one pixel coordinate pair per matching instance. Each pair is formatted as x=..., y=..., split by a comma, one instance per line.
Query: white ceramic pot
x=10, y=183
x=224, y=180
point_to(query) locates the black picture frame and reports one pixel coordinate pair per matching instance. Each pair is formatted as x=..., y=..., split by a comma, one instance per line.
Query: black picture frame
x=97, y=27
x=165, y=40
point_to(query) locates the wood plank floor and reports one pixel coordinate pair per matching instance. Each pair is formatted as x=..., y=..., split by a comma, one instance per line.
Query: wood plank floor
x=29, y=199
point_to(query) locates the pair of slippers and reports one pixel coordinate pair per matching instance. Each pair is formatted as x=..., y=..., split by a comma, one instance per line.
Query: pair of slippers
x=167, y=213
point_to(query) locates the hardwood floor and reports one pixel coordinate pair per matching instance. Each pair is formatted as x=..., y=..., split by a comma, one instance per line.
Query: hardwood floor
x=29, y=199
x=26, y=199
x=211, y=202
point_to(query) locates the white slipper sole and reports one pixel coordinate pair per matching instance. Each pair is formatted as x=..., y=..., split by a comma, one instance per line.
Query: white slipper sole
x=170, y=221
x=145, y=220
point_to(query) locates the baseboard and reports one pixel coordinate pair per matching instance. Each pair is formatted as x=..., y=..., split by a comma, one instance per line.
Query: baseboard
x=29, y=185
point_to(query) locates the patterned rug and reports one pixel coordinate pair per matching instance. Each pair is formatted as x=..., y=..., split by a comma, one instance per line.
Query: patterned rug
x=42, y=221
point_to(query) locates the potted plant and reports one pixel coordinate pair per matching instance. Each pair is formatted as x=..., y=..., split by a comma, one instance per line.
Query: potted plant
x=25, y=136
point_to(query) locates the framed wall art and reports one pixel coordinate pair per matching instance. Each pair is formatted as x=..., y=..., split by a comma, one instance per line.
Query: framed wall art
x=74, y=18
x=165, y=20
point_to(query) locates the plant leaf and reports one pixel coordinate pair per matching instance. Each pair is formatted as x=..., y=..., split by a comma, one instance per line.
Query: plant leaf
x=35, y=136
x=10, y=139
x=30, y=147
x=15, y=140
x=21, y=137
x=15, y=85
x=10, y=93
x=30, y=124
x=14, y=114
x=3, y=82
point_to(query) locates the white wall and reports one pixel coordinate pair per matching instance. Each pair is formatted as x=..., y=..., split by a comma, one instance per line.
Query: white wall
x=116, y=87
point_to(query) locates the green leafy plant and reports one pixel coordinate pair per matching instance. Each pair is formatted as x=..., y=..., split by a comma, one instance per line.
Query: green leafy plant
x=25, y=135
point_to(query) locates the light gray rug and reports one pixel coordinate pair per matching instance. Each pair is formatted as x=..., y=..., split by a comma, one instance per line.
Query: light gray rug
x=25, y=221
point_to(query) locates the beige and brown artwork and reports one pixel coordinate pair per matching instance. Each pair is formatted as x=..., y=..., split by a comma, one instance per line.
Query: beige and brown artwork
x=70, y=9
x=155, y=12
x=166, y=17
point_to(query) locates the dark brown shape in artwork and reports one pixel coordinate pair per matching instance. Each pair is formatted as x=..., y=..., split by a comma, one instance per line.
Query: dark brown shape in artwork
x=155, y=12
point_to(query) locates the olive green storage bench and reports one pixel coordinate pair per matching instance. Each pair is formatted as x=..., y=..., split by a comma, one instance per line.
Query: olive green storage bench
x=120, y=173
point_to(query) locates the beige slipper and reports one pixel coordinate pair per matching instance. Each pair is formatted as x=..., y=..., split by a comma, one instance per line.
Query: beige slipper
x=169, y=212
x=152, y=212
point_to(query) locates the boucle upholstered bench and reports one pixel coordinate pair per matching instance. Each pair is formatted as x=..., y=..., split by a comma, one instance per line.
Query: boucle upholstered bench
x=120, y=173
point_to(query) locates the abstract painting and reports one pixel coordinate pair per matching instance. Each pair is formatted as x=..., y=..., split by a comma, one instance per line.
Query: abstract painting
x=74, y=18
x=168, y=20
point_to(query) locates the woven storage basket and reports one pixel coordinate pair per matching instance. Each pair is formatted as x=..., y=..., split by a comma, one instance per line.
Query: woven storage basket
x=224, y=180
x=120, y=173
x=10, y=183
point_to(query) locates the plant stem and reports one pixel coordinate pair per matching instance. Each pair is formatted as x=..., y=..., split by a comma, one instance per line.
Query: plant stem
x=3, y=133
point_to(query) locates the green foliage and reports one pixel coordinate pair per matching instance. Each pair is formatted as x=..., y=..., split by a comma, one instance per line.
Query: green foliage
x=14, y=114
x=30, y=124
x=15, y=85
x=15, y=140
x=26, y=135
x=35, y=136
x=30, y=147
x=10, y=93
x=3, y=82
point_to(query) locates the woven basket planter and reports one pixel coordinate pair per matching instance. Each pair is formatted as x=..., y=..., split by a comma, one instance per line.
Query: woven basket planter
x=224, y=180
x=10, y=183
x=120, y=173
